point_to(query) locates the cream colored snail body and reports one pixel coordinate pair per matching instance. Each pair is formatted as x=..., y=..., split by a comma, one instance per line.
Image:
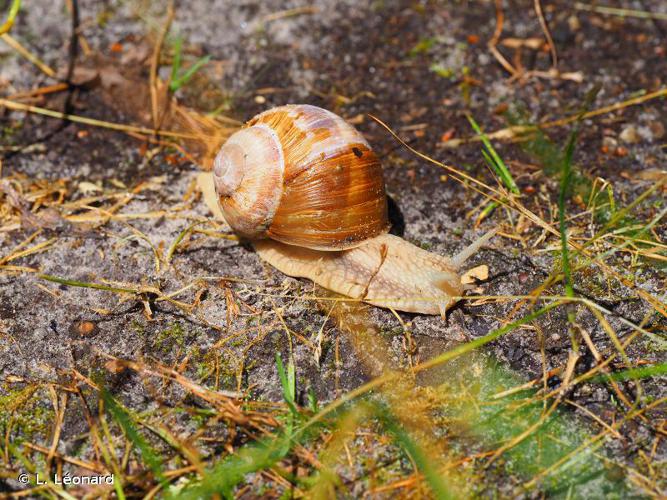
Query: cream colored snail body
x=306, y=188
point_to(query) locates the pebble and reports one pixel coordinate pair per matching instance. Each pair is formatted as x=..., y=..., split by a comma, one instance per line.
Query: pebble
x=609, y=142
x=573, y=23
x=657, y=129
x=629, y=135
x=85, y=328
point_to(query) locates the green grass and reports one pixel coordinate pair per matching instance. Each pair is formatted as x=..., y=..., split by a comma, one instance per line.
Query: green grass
x=402, y=437
x=179, y=78
x=150, y=456
x=83, y=284
x=549, y=155
x=11, y=16
x=565, y=179
x=469, y=386
x=657, y=370
x=493, y=159
x=497, y=166
x=223, y=477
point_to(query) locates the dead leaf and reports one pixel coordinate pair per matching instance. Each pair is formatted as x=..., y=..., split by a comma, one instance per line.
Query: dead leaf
x=479, y=273
x=205, y=184
x=88, y=187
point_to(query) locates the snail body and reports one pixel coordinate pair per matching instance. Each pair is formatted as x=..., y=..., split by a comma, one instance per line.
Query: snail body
x=385, y=271
x=307, y=190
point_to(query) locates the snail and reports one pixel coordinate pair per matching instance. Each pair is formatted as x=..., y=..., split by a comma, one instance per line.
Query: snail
x=306, y=189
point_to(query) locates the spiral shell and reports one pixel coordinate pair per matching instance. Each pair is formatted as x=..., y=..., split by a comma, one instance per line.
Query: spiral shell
x=303, y=176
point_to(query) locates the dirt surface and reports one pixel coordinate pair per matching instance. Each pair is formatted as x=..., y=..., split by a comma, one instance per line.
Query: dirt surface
x=419, y=67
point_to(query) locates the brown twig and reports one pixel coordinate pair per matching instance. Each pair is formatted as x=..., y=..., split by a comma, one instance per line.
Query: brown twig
x=14, y=44
x=493, y=43
x=521, y=131
x=17, y=106
x=547, y=33
x=155, y=64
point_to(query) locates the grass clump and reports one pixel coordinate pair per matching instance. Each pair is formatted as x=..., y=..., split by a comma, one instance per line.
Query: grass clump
x=553, y=445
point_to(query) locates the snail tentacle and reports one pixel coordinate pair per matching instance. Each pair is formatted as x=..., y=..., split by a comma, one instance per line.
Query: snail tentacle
x=459, y=259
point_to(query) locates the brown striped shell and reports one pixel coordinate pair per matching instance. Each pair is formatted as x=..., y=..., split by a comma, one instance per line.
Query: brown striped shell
x=303, y=176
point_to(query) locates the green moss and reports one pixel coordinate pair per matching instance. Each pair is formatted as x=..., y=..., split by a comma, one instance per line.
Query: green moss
x=203, y=370
x=442, y=71
x=423, y=46
x=8, y=133
x=24, y=413
x=237, y=342
x=104, y=17
x=252, y=321
x=206, y=368
x=174, y=335
x=137, y=327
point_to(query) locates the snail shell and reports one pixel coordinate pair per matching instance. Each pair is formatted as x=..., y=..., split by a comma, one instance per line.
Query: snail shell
x=303, y=176
x=305, y=187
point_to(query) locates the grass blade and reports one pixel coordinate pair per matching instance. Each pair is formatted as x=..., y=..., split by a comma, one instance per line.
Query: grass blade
x=229, y=472
x=412, y=448
x=634, y=373
x=124, y=419
x=11, y=17
x=493, y=158
x=565, y=179
x=288, y=382
x=176, y=63
x=566, y=175
x=189, y=73
x=83, y=284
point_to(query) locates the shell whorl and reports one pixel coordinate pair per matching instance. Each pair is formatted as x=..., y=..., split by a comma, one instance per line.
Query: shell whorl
x=301, y=175
x=248, y=176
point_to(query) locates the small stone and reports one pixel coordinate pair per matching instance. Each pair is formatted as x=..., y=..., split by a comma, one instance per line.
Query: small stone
x=574, y=23
x=85, y=328
x=609, y=143
x=629, y=135
x=657, y=130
